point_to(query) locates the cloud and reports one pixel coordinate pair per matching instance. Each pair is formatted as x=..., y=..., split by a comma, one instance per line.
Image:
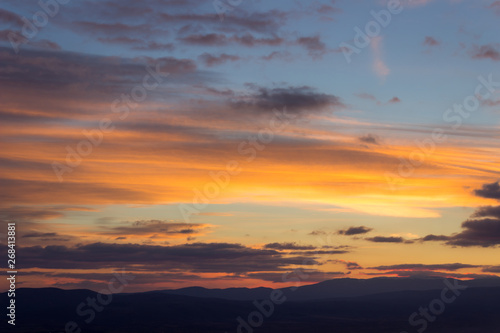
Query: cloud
x=195, y=257
x=370, y=97
x=488, y=211
x=379, y=65
x=215, y=39
x=249, y=40
x=483, y=226
x=115, y=29
x=67, y=70
x=155, y=46
x=317, y=233
x=138, y=43
x=483, y=232
x=369, y=138
x=431, y=274
x=295, y=99
x=156, y=228
x=315, y=47
x=432, y=238
x=491, y=269
x=212, y=60
x=430, y=41
x=281, y=55
x=211, y=39
x=261, y=22
x=350, y=265
x=28, y=214
x=381, y=239
x=354, y=231
x=394, y=100
x=485, y=52
x=288, y=246
x=445, y=267
x=490, y=191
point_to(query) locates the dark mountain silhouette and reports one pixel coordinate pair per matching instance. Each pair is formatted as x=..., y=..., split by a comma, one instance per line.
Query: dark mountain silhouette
x=333, y=288
x=49, y=310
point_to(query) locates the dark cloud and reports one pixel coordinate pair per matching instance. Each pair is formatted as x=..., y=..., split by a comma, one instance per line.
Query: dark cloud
x=490, y=191
x=288, y=246
x=119, y=40
x=155, y=46
x=353, y=265
x=28, y=214
x=314, y=45
x=317, y=233
x=196, y=257
x=430, y=274
x=485, y=52
x=319, y=252
x=111, y=74
x=432, y=238
x=115, y=29
x=445, y=267
x=483, y=232
x=381, y=239
x=211, y=39
x=212, y=60
x=40, y=234
x=430, y=41
x=262, y=22
x=137, y=43
x=369, y=138
x=16, y=38
x=488, y=211
x=249, y=40
x=354, y=231
x=215, y=39
x=483, y=227
x=156, y=227
x=350, y=265
x=295, y=99
x=15, y=191
x=491, y=269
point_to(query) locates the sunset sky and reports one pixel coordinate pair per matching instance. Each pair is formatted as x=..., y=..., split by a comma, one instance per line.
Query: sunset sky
x=224, y=143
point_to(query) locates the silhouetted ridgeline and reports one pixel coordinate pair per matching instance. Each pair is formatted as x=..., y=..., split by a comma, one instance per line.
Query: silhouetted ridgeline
x=346, y=305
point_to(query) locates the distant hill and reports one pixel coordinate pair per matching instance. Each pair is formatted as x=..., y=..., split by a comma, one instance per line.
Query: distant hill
x=50, y=309
x=333, y=288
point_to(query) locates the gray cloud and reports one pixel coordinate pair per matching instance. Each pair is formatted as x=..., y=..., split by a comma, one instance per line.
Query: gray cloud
x=382, y=239
x=490, y=191
x=354, y=231
x=446, y=267
x=288, y=246
x=296, y=99
x=195, y=257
